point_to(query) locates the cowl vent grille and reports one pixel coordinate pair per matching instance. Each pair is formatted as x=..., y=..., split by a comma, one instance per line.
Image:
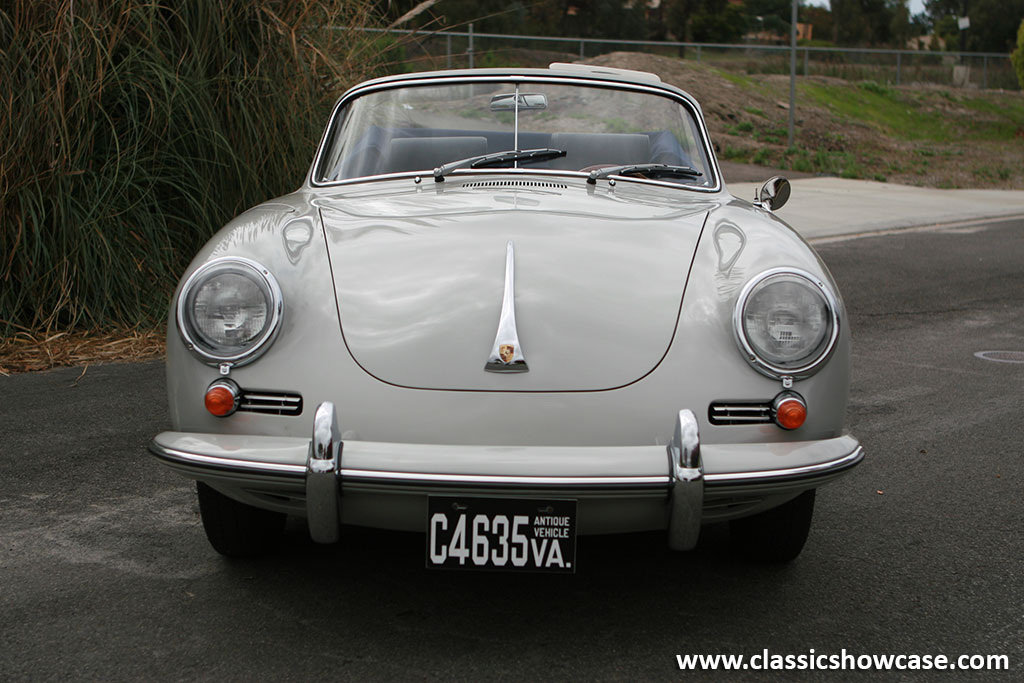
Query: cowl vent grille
x=517, y=183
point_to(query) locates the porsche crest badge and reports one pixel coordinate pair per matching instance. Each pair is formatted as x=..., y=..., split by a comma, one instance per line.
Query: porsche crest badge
x=507, y=352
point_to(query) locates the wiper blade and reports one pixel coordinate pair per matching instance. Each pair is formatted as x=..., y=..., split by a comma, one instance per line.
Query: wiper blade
x=652, y=170
x=497, y=159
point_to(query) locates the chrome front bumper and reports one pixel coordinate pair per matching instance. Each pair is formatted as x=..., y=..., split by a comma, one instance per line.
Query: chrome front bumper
x=385, y=485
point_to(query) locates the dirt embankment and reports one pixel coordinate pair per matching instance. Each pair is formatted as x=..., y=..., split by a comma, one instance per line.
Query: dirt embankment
x=914, y=134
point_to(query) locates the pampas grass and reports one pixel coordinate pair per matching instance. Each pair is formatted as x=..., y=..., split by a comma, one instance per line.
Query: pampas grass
x=131, y=130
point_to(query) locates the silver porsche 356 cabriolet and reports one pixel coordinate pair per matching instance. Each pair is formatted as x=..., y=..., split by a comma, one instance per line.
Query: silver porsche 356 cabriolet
x=507, y=308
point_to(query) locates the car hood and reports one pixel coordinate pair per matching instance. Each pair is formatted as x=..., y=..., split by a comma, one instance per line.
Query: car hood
x=598, y=281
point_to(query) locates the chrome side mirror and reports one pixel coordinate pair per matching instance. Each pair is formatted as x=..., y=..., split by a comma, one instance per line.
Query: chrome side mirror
x=773, y=194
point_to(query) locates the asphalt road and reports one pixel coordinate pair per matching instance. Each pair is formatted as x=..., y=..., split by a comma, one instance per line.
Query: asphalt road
x=105, y=572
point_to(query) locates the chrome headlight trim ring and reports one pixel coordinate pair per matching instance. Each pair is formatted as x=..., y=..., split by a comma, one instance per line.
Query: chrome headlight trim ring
x=261, y=276
x=751, y=355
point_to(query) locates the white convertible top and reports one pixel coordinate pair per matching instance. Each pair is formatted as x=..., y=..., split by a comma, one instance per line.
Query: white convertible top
x=591, y=69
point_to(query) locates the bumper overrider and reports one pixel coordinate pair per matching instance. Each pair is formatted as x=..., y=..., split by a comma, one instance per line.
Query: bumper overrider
x=385, y=485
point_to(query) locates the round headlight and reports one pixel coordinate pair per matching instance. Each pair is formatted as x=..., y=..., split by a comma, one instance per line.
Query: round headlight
x=229, y=311
x=786, y=322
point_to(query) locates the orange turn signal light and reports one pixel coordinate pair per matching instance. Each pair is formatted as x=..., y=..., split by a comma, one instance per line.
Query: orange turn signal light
x=221, y=398
x=790, y=411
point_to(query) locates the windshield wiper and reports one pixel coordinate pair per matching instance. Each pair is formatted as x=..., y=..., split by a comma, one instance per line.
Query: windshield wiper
x=497, y=159
x=652, y=170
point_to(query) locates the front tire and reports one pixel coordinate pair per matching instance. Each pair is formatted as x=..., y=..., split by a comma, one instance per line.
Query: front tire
x=776, y=535
x=235, y=529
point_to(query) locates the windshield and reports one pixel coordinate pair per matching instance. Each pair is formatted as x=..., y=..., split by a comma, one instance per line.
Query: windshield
x=418, y=129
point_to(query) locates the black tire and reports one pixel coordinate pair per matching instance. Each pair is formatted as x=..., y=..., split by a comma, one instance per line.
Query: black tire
x=235, y=529
x=776, y=535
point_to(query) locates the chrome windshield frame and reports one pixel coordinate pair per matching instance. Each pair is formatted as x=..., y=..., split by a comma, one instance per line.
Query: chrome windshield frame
x=516, y=79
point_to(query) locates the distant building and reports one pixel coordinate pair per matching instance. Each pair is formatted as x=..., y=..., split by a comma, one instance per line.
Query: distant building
x=803, y=32
x=932, y=42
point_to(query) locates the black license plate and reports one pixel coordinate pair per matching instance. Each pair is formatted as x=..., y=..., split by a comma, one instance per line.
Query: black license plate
x=501, y=534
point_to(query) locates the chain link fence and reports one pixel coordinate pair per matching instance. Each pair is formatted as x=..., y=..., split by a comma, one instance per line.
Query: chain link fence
x=461, y=49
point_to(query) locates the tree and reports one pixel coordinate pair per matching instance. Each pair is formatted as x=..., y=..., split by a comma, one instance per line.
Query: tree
x=946, y=29
x=606, y=19
x=820, y=18
x=919, y=25
x=677, y=17
x=771, y=16
x=718, y=22
x=993, y=23
x=510, y=17
x=767, y=8
x=870, y=22
x=900, y=28
x=849, y=26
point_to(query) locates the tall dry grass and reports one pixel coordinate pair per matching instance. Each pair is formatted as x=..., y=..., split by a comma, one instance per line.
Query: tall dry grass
x=130, y=130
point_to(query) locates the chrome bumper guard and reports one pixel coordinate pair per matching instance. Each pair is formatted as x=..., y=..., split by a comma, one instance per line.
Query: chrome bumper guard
x=687, y=471
x=325, y=473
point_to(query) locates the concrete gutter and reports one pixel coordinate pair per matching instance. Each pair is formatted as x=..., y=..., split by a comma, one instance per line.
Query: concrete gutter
x=830, y=207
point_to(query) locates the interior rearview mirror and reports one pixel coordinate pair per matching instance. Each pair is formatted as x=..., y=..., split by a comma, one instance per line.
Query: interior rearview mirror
x=527, y=101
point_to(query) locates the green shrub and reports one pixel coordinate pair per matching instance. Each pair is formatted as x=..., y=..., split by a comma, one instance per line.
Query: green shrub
x=1017, y=57
x=735, y=154
x=741, y=127
x=802, y=164
x=130, y=130
x=763, y=157
x=876, y=88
